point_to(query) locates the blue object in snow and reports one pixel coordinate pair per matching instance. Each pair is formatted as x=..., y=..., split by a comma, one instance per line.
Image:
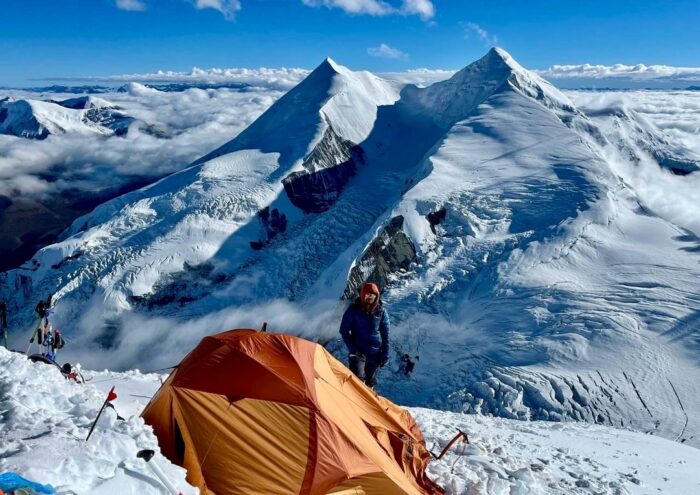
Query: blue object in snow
x=10, y=482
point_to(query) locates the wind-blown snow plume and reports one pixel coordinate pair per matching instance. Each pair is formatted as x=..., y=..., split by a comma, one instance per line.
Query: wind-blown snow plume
x=473, y=29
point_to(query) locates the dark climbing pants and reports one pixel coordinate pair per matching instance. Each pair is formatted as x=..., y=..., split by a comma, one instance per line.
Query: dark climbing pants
x=365, y=368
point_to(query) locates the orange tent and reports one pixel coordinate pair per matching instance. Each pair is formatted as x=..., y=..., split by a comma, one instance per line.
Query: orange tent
x=248, y=412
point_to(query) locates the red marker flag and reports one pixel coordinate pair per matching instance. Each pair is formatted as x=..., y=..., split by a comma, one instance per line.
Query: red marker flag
x=111, y=395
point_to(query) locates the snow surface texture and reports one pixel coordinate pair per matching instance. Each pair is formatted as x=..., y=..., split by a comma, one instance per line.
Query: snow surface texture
x=44, y=420
x=554, y=287
x=507, y=457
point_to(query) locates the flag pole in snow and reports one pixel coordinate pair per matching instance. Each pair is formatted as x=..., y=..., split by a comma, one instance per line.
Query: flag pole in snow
x=110, y=397
x=147, y=455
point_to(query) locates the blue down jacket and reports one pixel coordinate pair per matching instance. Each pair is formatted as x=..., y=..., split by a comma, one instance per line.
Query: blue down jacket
x=366, y=333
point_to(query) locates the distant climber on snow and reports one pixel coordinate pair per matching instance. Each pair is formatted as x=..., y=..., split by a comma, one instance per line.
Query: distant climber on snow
x=43, y=310
x=43, y=332
x=365, y=330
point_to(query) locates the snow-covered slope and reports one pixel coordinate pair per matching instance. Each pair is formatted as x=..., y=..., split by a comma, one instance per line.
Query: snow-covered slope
x=44, y=420
x=626, y=122
x=509, y=457
x=36, y=119
x=530, y=278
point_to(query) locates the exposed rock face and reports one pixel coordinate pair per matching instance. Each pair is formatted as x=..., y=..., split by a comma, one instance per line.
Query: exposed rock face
x=390, y=252
x=272, y=223
x=435, y=218
x=327, y=169
x=109, y=118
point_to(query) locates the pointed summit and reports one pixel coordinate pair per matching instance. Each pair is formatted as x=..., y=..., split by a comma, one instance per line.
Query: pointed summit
x=327, y=69
x=497, y=54
x=452, y=100
x=328, y=65
x=330, y=62
x=330, y=94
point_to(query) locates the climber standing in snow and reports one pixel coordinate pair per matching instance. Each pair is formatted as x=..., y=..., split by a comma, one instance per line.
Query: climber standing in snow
x=365, y=330
x=43, y=310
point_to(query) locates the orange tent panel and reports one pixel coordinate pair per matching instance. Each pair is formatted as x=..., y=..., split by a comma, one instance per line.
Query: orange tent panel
x=259, y=413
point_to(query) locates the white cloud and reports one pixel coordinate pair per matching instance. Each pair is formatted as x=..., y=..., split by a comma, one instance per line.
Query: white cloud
x=228, y=8
x=385, y=51
x=168, y=340
x=133, y=5
x=371, y=7
x=636, y=72
x=422, y=8
x=472, y=29
x=278, y=78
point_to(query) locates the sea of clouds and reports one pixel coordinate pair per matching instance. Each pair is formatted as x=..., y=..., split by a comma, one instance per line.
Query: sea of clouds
x=193, y=121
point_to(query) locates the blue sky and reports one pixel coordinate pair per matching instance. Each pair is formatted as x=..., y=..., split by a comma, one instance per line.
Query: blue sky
x=66, y=38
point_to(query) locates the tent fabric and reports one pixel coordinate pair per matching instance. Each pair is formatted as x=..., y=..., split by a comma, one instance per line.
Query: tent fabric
x=248, y=412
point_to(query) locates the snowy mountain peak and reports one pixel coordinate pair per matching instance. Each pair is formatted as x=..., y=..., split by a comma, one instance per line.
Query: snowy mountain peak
x=329, y=62
x=499, y=54
x=456, y=98
x=86, y=102
x=325, y=72
x=495, y=64
x=330, y=95
x=37, y=119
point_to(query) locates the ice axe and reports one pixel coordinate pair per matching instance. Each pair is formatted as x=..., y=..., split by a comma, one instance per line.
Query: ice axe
x=460, y=435
x=147, y=455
